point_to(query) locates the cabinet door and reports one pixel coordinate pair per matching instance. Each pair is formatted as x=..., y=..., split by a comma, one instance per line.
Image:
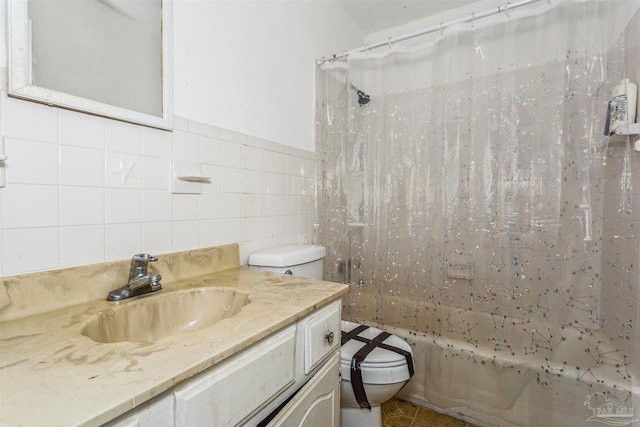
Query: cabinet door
x=228, y=393
x=317, y=404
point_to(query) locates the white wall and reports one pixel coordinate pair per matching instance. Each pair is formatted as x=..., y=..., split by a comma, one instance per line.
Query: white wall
x=624, y=8
x=420, y=24
x=66, y=201
x=250, y=64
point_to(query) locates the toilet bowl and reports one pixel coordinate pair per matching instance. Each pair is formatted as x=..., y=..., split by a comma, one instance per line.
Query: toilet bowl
x=375, y=365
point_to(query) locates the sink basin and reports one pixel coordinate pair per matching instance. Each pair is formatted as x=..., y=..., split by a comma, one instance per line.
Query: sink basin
x=157, y=316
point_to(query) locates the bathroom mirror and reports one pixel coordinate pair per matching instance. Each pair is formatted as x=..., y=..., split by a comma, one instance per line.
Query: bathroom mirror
x=106, y=57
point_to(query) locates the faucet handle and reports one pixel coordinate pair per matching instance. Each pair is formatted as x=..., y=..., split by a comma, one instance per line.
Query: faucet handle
x=143, y=258
x=139, y=263
x=154, y=282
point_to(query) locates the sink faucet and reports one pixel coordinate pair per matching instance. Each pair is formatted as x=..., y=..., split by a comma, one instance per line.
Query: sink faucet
x=140, y=282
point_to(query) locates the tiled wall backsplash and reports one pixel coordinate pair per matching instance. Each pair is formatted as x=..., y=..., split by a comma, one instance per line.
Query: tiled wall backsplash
x=83, y=189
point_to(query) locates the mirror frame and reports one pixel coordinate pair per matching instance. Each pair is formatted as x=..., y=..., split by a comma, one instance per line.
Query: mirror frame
x=20, y=77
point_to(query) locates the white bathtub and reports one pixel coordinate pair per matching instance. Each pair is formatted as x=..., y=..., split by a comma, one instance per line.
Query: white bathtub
x=534, y=375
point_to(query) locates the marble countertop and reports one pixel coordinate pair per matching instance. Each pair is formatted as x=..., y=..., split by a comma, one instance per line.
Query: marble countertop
x=52, y=375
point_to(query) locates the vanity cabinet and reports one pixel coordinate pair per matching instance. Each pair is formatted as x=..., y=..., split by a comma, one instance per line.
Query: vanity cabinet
x=317, y=399
x=290, y=378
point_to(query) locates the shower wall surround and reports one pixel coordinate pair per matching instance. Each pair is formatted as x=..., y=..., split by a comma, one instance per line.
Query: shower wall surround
x=84, y=189
x=477, y=210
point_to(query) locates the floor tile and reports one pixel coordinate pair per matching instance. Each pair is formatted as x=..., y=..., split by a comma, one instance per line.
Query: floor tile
x=399, y=413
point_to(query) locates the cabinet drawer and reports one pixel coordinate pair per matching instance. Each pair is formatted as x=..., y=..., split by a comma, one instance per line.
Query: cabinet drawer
x=321, y=335
x=227, y=394
x=157, y=412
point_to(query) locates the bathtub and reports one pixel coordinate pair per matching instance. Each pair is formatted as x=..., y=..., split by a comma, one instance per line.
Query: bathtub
x=533, y=375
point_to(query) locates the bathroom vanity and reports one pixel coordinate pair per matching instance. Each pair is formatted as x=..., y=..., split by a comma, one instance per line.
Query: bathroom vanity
x=249, y=387
x=274, y=361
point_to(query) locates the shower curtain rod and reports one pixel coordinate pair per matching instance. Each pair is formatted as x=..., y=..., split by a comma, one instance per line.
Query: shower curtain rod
x=469, y=18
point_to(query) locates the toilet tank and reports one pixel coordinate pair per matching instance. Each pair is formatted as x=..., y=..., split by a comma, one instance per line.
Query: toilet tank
x=298, y=260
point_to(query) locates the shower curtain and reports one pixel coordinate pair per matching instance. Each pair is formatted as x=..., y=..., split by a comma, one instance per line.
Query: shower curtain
x=474, y=178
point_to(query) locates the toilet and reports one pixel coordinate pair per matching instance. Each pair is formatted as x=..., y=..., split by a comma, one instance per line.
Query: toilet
x=374, y=364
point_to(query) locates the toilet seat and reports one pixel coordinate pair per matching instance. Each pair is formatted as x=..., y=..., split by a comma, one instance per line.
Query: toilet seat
x=386, y=375
x=385, y=364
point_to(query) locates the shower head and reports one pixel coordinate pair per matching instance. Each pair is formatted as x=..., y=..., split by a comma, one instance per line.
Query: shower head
x=363, y=98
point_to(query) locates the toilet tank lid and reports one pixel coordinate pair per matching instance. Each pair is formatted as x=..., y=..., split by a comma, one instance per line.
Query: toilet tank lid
x=287, y=256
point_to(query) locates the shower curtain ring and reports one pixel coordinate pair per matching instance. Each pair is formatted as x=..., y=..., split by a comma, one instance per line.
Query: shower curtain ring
x=473, y=20
x=389, y=43
x=441, y=29
x=506, y=9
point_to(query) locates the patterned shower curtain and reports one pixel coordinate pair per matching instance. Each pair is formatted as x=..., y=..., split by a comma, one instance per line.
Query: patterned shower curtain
x=474, y=177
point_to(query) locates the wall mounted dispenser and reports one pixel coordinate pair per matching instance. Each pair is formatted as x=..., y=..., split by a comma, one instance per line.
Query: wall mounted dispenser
x=622, y=108
x=621, y=115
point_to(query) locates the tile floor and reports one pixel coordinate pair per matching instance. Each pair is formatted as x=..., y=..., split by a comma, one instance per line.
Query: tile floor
x=398, y=413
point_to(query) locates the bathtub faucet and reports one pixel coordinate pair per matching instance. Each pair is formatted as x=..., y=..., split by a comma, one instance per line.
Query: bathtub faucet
x=140, y=282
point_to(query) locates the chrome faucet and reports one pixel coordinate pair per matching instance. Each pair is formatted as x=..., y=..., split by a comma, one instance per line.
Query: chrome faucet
x=140, y=282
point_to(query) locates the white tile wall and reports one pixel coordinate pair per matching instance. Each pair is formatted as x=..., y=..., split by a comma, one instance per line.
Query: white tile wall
x=83, y=189
x=90, y=252
x=31, y=249
x=79, y=166
x=28, y=206
x=123, y=137
x=35, y=162
x=82, y=206
x=81, y=130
